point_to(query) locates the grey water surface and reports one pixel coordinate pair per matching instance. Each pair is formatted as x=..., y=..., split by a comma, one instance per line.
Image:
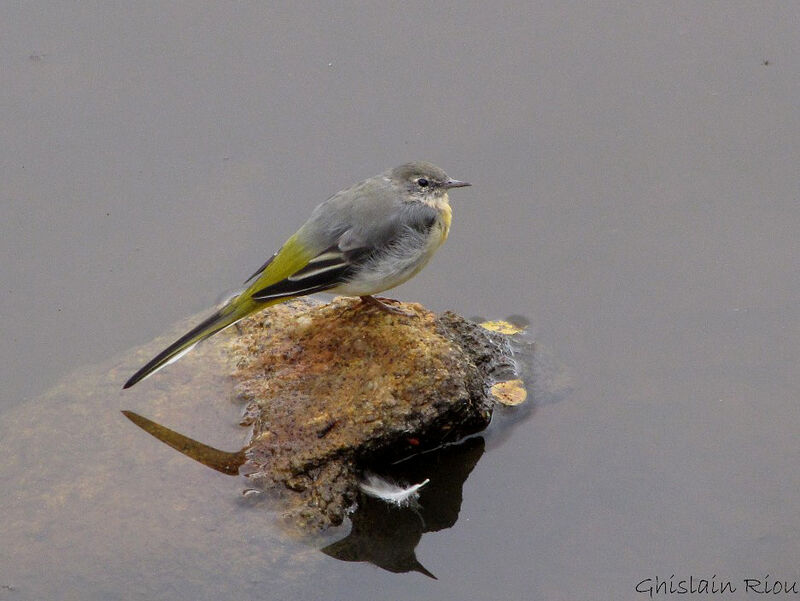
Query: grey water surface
x=635, y=196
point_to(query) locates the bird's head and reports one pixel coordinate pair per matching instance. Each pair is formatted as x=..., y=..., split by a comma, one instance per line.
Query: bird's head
x=424, y=181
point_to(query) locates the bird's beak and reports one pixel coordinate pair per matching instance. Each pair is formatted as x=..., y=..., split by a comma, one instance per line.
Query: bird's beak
x=454, y=183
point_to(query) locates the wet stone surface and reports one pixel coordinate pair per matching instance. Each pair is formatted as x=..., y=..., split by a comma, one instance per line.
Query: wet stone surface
x=332, y=389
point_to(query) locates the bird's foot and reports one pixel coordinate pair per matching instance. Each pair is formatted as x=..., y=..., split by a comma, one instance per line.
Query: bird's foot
x=381, y=304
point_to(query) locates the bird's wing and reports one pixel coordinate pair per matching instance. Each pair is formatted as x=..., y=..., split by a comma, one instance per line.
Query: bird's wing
x=324, y=271
x=324, y=229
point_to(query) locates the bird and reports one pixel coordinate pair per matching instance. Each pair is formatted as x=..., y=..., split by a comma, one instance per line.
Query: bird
x=361, y=241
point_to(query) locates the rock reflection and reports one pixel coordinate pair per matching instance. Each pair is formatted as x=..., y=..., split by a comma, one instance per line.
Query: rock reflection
x=386, y=535
x=382, y=534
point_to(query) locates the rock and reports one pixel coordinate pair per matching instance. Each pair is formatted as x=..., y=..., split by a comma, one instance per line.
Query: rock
x=332, y=389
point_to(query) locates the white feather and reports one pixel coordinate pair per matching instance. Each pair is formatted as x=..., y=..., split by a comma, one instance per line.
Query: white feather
x=380, y=488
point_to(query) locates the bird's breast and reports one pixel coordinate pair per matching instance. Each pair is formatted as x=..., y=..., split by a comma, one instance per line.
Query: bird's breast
x=445, y=217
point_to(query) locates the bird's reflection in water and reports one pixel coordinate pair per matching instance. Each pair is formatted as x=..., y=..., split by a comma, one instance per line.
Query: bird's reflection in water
x=222, y=461
x=382, y=534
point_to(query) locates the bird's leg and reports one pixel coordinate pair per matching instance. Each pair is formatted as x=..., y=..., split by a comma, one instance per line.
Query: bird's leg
x=371, y=300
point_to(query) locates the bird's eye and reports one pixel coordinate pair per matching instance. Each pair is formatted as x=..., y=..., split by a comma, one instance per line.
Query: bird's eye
x=422, y=182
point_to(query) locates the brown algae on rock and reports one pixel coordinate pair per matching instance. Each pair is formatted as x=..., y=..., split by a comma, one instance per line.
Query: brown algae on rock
x=334, y=388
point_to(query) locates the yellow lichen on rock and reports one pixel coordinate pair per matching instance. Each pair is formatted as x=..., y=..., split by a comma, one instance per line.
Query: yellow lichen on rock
x=510, y=392
x=502, y=327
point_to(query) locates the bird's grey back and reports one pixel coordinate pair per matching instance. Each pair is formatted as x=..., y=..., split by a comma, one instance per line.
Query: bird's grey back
x=369, y=214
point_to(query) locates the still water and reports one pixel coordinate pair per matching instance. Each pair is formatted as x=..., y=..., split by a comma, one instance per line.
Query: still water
x=635, y=197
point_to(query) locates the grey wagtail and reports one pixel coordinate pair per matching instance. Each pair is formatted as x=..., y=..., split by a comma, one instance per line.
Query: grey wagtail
x=363, y=240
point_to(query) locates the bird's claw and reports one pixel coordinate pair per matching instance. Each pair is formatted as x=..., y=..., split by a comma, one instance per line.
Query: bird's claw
x=381, y=304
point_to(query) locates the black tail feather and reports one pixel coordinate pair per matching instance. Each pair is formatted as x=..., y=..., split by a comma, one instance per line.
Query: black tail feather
x=192, y=337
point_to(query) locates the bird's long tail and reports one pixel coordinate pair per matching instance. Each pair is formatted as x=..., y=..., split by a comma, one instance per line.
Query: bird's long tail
x=224, y=317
